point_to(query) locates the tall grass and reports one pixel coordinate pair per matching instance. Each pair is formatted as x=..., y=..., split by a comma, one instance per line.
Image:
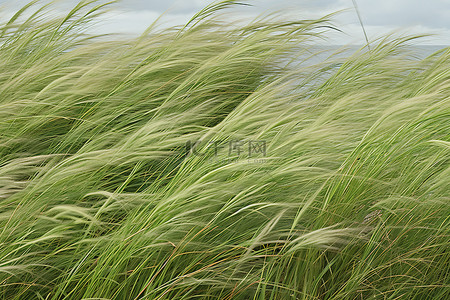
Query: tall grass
x=100, y=199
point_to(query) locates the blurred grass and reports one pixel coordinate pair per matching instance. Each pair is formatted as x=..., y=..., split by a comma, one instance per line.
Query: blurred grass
x=100, y=200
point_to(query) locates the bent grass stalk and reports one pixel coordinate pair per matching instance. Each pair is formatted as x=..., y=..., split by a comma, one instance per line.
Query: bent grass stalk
x=99, y=198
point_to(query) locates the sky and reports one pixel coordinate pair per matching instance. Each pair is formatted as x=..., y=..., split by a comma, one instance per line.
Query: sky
x=380, y=17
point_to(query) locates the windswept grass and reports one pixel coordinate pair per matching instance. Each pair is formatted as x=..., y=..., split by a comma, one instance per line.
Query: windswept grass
x=100, y=199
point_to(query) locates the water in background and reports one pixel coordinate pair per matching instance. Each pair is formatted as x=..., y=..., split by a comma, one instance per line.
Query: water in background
x=318, y=54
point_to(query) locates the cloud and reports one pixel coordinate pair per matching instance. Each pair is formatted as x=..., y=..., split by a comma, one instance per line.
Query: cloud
x=136, y=22
x=400, y=13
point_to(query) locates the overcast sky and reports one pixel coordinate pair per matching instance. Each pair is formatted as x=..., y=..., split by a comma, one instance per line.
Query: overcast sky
x=379, y=16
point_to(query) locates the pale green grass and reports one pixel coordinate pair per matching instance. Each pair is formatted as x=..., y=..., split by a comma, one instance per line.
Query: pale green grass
x=100, y=200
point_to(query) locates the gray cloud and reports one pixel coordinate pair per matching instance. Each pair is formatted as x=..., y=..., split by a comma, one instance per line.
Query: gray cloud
x=434, y=13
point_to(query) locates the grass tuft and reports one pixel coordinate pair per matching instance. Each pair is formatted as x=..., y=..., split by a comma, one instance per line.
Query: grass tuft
x=117, y=179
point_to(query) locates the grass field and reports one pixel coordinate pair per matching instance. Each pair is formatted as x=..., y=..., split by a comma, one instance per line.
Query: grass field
x=213, y=161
